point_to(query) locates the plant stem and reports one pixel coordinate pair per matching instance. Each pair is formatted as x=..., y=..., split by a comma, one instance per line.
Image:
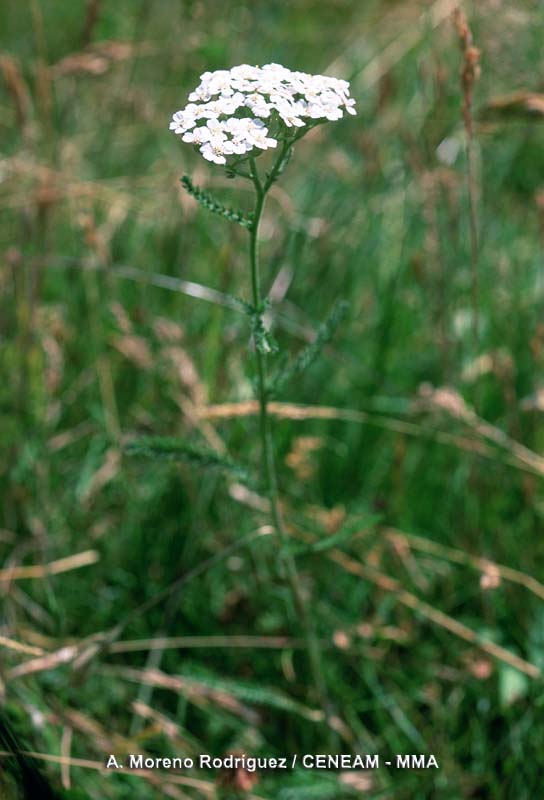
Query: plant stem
x=267, y=447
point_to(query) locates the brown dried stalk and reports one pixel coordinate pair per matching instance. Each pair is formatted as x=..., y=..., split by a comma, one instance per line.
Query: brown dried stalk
x=470, y=72
x=92, y=13
x=84, y=559
x=17, y=89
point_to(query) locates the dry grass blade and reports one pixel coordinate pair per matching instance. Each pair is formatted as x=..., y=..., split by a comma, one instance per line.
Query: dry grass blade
x=98, y=58
x=447, y=399
x=191, y=688
x=65, y=748
x=162, y=722
x=427, y=611
x=175, y=642
x=17, y=88
x=73, y=762
x=484, y=565
x=518, y=104
x=20, y=647
x=156, y=777
x=518, y=455
x=43, y=663
x=84, y=559
x=92, y=14
x=102, y=740
x=389, y=584
x=470, y=72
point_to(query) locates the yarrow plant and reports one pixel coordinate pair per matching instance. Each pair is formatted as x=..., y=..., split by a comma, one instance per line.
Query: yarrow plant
x=233, y=117
x=226, y=112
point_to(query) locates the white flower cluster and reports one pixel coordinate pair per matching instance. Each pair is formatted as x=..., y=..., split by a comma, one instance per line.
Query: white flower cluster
x=232, y=105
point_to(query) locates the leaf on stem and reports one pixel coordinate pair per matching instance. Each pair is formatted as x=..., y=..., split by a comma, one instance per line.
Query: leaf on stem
x=249, y=692
x=264, y=341
x=308, y=355
x=281, y=164
x=170, y=448
x=211, y=204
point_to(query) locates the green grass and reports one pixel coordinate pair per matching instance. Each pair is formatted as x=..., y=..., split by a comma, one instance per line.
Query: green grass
x=92, y=357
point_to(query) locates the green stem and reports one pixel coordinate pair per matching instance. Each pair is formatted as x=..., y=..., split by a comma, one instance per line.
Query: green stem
x=267, y=448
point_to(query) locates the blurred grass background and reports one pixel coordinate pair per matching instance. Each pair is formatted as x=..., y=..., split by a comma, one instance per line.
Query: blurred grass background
x=425, y=460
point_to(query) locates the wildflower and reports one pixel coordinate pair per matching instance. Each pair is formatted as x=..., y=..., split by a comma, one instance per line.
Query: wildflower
x=235, y=102
x=289, y=112
x=225, y=119
x=182, y=121
x=197, y=135
x=214, y=151
x=258, y=105
x=256, y=135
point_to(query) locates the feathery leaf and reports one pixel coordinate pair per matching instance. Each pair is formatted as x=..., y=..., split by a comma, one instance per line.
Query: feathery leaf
x=211, y=204
x=308, y=355
x=170, y=448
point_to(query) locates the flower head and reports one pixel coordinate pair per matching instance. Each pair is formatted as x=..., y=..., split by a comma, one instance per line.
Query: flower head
x=226, y=112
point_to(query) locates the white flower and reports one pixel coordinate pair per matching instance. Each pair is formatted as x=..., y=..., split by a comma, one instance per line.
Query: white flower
x=201, y=93
x=225, y=105
x=244, y=71
x=256, y=136
x=197, y=135
x=290, y=118
x=219, y=83
x=258, y=105
x=213, y=151
x=315, y=111
x=216, y=128
x=234, y=103
x=289, y=112
x=207, y=111
x=182, y=121
x=235, y=125
x=237, y=146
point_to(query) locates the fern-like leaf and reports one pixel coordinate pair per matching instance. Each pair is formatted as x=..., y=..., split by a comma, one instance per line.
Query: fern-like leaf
x=169, y=448
x=308, y=355
x=211, y=204
x=249, y=692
